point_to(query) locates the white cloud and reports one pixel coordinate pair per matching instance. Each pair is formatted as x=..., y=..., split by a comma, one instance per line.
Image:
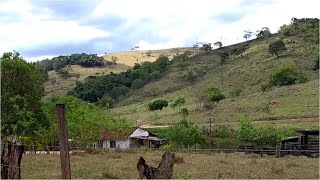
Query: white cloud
x=175, y=23
x=36, y=30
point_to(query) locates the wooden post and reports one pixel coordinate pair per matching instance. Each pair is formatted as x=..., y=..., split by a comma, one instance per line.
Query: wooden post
x=63, y=142
x=210, y=134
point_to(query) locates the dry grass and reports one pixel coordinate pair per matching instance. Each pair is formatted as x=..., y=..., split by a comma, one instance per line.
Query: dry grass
x=129, y=58
x=210, y=166
x=57, y=86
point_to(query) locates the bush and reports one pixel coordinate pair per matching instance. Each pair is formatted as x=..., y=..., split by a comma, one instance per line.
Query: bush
x=157, y=105
x=167, y=147
x=265, y=87
x=284, y=77
x=184, y=112
x=63, y=73
x=215, y=95
x=277, y=47
x=185, y=133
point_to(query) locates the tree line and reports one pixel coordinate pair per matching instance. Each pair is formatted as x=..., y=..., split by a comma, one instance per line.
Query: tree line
x=58, y=63
x=113, y=86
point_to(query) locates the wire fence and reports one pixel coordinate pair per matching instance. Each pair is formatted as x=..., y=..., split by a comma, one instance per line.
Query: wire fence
x=46, y=149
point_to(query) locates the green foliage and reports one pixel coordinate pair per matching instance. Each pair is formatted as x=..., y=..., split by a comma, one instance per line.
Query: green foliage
x=285, y=76
x=190, y=76
x=155, y=75
x=157, y=105
x=85, y=120
x=137, y=83
x=239, y=50
x=21, y=92
x=215, y=95
x=167, y=147
x=184, y=112
x=117, y=85
x=222, y=132
x=265, y=87
x=106, y=101
x=178, y=102
x=185, y=133
x=187, y=177
x=265, y=108
x=260, y=136
x=181, y=57
x=277, y=47
x=63, y=73
x=235, y=92
x=57, y=63
x=306, y=28
x=264, y=33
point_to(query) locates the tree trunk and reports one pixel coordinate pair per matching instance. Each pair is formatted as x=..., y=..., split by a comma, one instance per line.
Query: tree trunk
x=165, y=168
x=11, y=155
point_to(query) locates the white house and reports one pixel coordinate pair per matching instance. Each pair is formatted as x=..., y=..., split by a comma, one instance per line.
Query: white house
x=136, y=138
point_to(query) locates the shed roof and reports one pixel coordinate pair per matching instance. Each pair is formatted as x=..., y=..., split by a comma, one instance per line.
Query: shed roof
x=309, y=132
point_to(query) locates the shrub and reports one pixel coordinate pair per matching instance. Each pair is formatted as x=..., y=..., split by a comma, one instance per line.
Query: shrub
x=284, y=76
x=167, y=147
x=157, y=105
x=215, y=95
x=277, y=47
x=184, y=112
x=185, y=133
x=265, y=87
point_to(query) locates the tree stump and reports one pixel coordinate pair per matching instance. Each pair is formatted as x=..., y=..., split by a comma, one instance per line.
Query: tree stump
x=166, y=166
x=11, y=155
x=164, y=170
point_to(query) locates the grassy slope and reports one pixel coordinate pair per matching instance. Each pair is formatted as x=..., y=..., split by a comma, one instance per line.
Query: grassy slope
x=131, y=57
x=57, y=86
x=123, y=166
x=125, y=61
x=248, y=71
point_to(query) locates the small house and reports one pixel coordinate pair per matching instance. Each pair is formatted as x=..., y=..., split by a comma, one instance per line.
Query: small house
x=135, y=138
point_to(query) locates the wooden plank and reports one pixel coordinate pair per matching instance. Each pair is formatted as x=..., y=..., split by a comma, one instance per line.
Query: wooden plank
x=63, y=142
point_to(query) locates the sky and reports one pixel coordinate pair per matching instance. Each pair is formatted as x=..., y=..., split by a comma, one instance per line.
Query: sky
x=40, y=29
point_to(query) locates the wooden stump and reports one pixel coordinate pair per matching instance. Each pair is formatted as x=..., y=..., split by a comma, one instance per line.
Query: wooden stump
x=11, y=155
x=166, y=166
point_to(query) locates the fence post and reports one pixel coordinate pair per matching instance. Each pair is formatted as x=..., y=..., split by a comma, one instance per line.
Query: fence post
x=63, y=142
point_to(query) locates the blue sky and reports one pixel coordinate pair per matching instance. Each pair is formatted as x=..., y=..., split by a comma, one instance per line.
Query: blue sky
x=45, y=28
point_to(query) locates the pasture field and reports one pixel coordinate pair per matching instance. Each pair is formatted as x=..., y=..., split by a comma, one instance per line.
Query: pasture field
x=122, y=165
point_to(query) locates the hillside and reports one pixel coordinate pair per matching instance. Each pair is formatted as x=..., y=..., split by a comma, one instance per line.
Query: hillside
x=58, y=86
x=247, y=71
x=129, y=58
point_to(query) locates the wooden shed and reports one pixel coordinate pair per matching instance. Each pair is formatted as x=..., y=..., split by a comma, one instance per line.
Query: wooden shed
x=307, y=143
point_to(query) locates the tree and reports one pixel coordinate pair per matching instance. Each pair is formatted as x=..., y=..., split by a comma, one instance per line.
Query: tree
x=218, y=44
x=206, y=47
x=277, y=47
x=263, y=33
x=247, y=34
x=185, y=134
x=283, y=77
x=157, y=105
x=178, y=102
x=21, y=114
x=215, y=95
x=21, y=92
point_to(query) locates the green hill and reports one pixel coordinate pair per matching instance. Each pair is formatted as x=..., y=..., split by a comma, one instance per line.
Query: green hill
x=247, y=71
